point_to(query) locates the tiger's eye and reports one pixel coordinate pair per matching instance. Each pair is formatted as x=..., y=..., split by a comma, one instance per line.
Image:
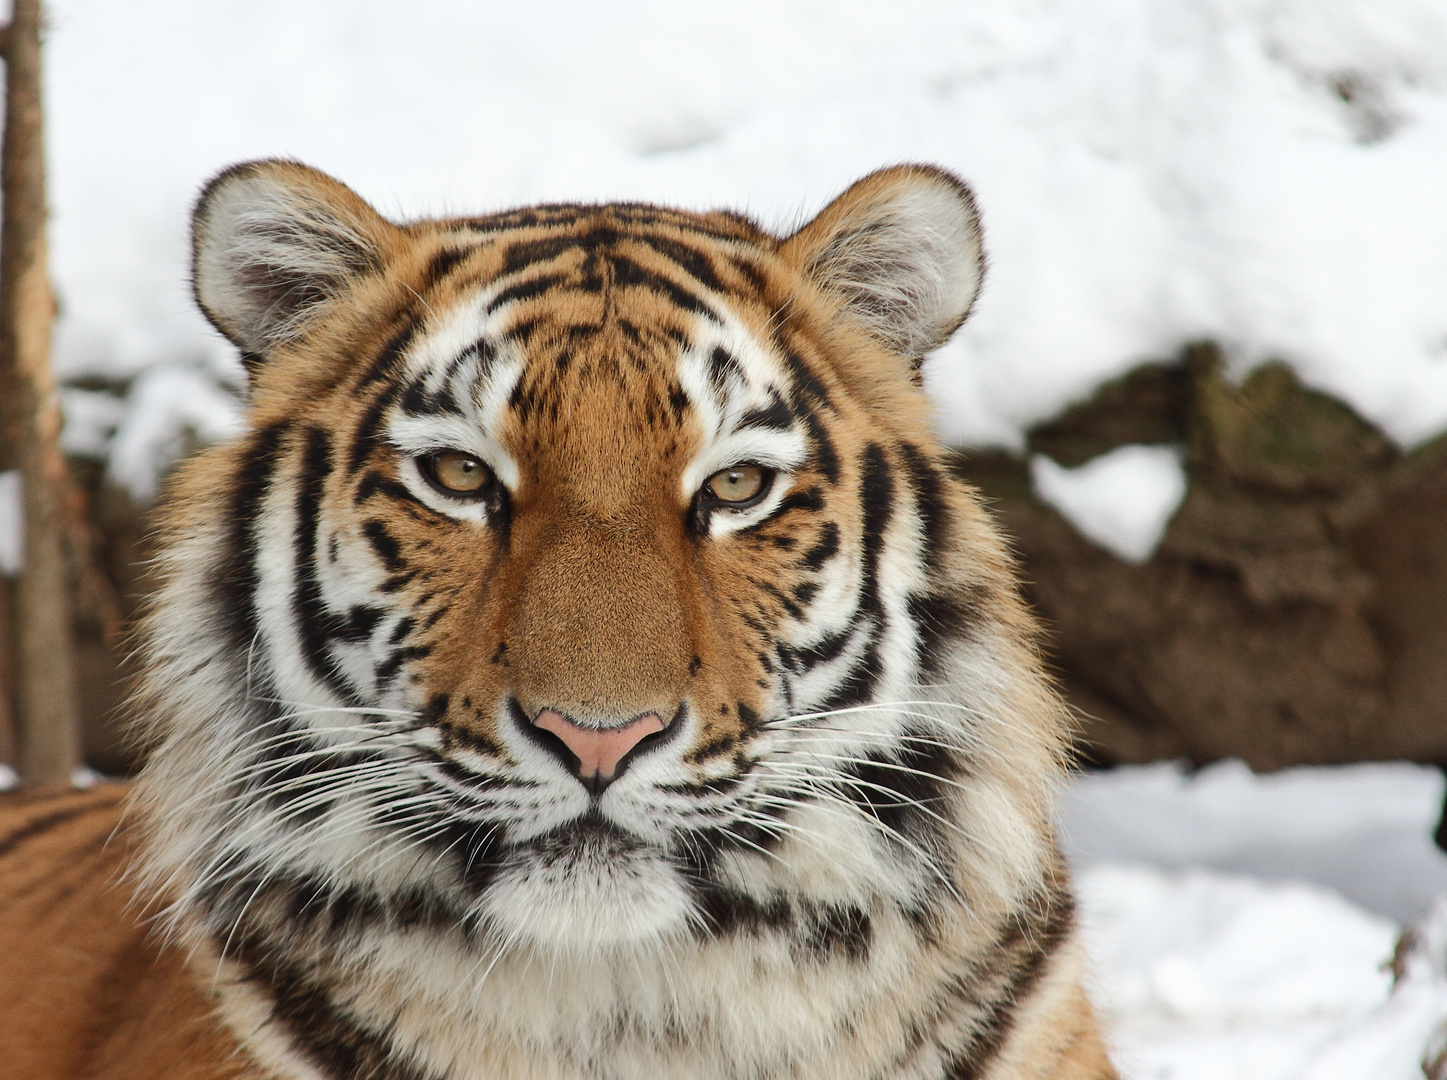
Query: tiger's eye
x=458, y=472
x=736, y=485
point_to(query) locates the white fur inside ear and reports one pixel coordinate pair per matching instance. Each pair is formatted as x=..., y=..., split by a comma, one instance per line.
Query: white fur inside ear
x=271, y=246
x=908, y=262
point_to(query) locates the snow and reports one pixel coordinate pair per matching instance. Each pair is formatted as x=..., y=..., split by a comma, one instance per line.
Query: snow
x=1265, y=173
x=1202, y=972
x=173, y=408
x=1202, y=975
x=1122, y=499
x=12, y=523
x=1362, y=830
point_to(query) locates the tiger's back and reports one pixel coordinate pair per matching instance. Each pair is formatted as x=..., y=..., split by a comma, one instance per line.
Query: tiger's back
x=87, y=990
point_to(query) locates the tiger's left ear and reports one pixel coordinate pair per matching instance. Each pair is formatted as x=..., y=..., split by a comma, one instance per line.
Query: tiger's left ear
x=902, y=249
x=274, y=245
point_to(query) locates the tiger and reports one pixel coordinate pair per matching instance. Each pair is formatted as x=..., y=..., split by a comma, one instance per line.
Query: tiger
x=585, y=665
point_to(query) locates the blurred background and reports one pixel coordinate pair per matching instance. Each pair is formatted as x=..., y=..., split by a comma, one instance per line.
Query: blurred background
x=1205, y=387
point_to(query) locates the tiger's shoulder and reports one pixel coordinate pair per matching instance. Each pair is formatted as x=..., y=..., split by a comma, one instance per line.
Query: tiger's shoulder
x=74, y=946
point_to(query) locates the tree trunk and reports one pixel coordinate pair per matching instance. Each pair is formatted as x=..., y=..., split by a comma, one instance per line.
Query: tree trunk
x=46, y=708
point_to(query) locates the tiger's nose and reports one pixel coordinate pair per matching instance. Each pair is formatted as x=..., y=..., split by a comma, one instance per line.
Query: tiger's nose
x=600, y=749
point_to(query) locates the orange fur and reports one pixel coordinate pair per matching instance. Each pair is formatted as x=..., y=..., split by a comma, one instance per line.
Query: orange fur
x=87, y=991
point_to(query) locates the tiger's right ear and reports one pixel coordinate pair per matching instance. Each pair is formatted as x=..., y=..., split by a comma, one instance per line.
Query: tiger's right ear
x=273, y=243
x=901, y=249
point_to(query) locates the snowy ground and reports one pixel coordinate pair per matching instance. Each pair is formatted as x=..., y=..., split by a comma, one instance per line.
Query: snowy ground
x=1224, y=945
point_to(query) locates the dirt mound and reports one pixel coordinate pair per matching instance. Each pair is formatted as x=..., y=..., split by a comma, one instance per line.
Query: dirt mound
x=1296, y=610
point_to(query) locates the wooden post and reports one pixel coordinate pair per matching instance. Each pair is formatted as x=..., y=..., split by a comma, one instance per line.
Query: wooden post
x=47, y=712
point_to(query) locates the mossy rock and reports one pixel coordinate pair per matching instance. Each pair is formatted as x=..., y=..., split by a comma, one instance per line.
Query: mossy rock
x=1296, y=609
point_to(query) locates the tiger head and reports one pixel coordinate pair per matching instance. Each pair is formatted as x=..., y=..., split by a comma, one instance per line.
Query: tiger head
x=587, y=575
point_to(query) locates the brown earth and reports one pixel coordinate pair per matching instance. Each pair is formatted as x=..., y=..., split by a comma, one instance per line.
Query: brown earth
x=1296, y=610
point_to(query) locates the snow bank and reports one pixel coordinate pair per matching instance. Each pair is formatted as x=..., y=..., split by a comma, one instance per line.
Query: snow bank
x=1122, y=500
x=1266, y=173
x=1200, y=976
x=1362, y=830
x=12, y=523
x=1202, y=973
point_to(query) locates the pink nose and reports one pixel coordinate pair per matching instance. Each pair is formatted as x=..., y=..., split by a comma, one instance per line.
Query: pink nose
x=598, y=749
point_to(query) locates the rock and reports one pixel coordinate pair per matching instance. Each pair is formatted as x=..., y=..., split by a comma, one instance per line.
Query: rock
x=1296, y=609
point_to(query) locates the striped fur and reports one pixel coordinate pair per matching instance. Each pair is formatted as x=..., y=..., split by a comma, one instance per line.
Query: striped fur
x=85, y=992
x=835, y=860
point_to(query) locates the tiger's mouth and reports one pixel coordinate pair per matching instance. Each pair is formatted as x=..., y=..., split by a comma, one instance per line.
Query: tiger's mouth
x=588, y=839
x=587, y=884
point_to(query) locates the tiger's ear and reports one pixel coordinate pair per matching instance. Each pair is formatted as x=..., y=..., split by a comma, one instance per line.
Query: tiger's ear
x=273, y=243
x=902, y=249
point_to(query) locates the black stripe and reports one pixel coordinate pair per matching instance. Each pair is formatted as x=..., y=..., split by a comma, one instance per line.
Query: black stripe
x=316, y=625
x=335, y=1044
x=793, y=610
x=291, y=768
x=482, y=352
x=38, y=826
x=1029, y=940
x=722, y=365
x=387, y=669
x=944, y=612
x=859, y=682
x=368, y=432
x=811, y=499
x=526, y=252
x=234, y=587
x=526, y=290
x=876, y=500
x=386, y=360
x=374, y=483
x=939, y=618
x=692, y=261
x=417, y=400
x=824, y=549
x=901, y=790
x=749, y=272
x=442, y=264
x=807, y=657
x=360, y=623
x=805, y=382
x=385, y=545
x=814, y=930
x=776, y=416
x=627, y=273
x=930, y=500
x=730, y=225
x=825, y=459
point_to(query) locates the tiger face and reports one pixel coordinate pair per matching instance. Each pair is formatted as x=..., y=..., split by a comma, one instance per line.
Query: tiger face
x=589, y=584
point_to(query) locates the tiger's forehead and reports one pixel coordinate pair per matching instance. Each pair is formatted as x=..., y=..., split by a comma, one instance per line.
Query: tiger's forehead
x=557, y=343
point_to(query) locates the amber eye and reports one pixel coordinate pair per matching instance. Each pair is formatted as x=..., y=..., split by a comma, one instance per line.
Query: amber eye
x=456, y=472
x=740, y=484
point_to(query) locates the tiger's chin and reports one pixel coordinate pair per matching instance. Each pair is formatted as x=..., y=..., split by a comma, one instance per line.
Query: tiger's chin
x=584, y=889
